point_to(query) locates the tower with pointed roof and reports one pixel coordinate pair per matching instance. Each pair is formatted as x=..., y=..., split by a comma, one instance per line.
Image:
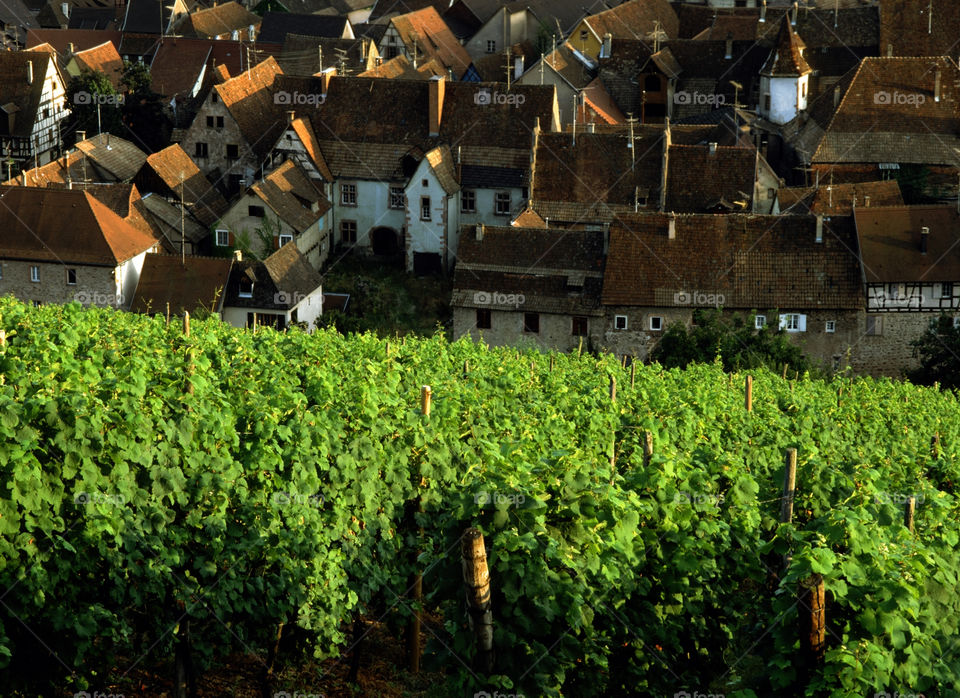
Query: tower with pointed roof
x=784, y=77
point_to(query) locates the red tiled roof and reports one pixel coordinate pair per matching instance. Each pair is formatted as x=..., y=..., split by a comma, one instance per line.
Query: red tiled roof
x=636, y=20
x=698, y=180
x=103, y=58
x=221, y=21
x=433, y=37
x=200, y=196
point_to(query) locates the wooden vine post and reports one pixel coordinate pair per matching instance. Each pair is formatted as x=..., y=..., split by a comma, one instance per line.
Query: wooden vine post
x=812, y=620
x=789, y=491
x=748, y=394
x=633, y=372
x=647, y=448
x=3, y=338
x=186, y=324
x=935, y=445
x=909, y=510
x=785, y=367
x=416, y=588
x=613, y=446
x=476, y=580
x=168, y=314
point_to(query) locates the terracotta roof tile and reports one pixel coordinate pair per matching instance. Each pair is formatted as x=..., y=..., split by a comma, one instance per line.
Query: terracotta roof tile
x=285, y=272
x=697, y=180
x=201, y=197
x=838, y=199
x=433, y=37
x=786, y=59
x=103, y=58
x=188, y=284
x=636, y=20
x=291, y=194
x=220, y=21
x=889, y=239
x=906, y=26
x=178, y=64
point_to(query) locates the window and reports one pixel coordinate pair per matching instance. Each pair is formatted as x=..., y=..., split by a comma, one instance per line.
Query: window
x=656, y=323
x=233, y=151
x=502, y=206
x=424, y=208
x=246, y=288
x=201, y=150
x=209, y=122
x=348, y=194
x=831, y=326
x=766, y=102
x=46, y=113
x=213, y=96
x=946, y=289
x=620, y=322
x=579, y=326
x=651, y=83
x=37, y=304
x=255, y=211
x=897, y=292
x=219, y=122
x=484, y=319
x=223, y=238
x=285, y=238
x=396, y=197
x=425, y=182
x=348, y=232
x=468, y=201
x=35, y=274
x=491, y=46
x=584, y=34
x=71, y=277
x=793, y=322
x=771, y=192
x=874, y=325
x=531, y=323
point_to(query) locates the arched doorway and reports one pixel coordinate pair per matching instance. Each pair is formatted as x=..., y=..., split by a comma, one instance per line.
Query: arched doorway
x=385, y=242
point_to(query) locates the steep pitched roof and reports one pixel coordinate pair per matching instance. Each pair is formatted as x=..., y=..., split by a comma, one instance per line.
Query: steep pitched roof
x=103, y=58
x=400, y=67
x=220, y=21
x=185, y=284
x=146, y=16
x=698, y=180
x=200, y=196
x=291, y=195
x=786, y=59
x=426, y=30
x=33, y=223
x=81, y=39
x=18, y=97
x=754, y=262
x=889, y=239
x=116, y=156
x=574, y=67
x=441, y=161
x=178, y=64
x=277, y=25
x=308, y=138
x=302, y=54
x=889, y=114
x=467, y=121
x=249, y=97
x=279, y=282
x=557, y=271
x=909, y=30
x=636, y=19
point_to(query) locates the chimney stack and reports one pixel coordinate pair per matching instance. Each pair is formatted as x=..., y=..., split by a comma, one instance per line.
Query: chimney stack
x=793, y=17
x=672, y=226
x=437, y=88
x=251, y=32
x=65, y=9
x=237, y=256
x=936, y=84
x=81, y=136
x=866, y=200
x=819, y=227
x=729, y=47
x=713, y=147
x=325, y=79
x=591, y=127
x=836, y=96
x=478, y=231
x=889, y=50
x=607, y=45
x=924, y=236
x=763, y=11
x=291, y=115
x=29, y=72
x=70, y=48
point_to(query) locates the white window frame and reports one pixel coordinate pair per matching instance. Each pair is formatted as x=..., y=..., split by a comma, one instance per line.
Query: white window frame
x=793, y=322
x=74, y=282
x=830, y=326
x=616, y=322
x=396, y=197
x=759, y=322
x=501, y=197
x=348, y=194
x=426, y=206
x=285, y=238
x=245, y=294
x=225, y=238
x=35, y=274
x=658, y=321
x=946, y=289
x=491, y=46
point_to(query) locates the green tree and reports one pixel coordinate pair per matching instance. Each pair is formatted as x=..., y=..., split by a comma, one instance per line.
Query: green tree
x=143, y=112
x=85, y=94
x=938, y=350
x=734, y=340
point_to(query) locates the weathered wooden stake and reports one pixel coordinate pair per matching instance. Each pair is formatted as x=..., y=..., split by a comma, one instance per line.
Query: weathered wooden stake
x=748, y=394
x=413, y=630
x=839, y=395
x=476, y=579
x=785, y=367
x=168, y=315
x=580, y=348
x=388, y=350
x=186, y=324
x=935, y=445
x=613, y=389
x=551, y=362
x=909, y=510
x=789, y=486
x=647, y=448
x=633, y=372
x=425, y=394
x=466, y=366
x=812, y=620
x=623, y=361
x=3, y=338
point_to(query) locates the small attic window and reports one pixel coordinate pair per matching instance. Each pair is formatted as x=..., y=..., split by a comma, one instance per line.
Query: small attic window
x=246, y=289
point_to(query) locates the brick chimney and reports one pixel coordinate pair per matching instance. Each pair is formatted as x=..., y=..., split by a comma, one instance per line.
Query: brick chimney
x=29, y=72
x=924, y=237
x=763, y=11
x=437, y=88
x=325, y=79
x=672, y=226
x=291, y=115
x=728, y=54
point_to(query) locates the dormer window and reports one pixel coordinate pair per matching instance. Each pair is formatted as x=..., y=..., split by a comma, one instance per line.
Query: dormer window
x=246, y=289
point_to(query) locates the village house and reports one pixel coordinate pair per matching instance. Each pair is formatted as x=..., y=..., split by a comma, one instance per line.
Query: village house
x=34, y=106
x=309, y=55
x=227, y=20
x=422, y=35
x=277, y=25
x=533, y=287
x=910, y=265
x=837, y=199
x=152, y=17
x=170, y=283
x=277, y=292
x=95, y=260
x=648, y=20
x=568, y=70
x=102, y=58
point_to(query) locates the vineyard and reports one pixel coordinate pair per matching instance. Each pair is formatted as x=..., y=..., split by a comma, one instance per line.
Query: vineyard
x=180, y=496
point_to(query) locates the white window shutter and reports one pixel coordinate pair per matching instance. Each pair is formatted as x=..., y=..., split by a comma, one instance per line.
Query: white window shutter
x=803, y=323
x=783, y=322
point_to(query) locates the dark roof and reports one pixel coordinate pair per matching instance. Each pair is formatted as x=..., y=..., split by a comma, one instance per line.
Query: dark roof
x=905, y=25
x=754, y=262
x=286, y=275
x=147, y=16
x=32, y=220
x=291, y=194
x=93, y=18
x=855, y=27
x=636, y=19
x=889, y=239
x=786, y=59
x=17, y=96
x=177, y=64
x=301, y=54
x=382, y=8
x=186, y=284
x=485, y=177
x=200, y=197
x=81, y=39
x=698, y=181
x=838, y=199
x=276, y=26
x=558, y=271
x=465, y=121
